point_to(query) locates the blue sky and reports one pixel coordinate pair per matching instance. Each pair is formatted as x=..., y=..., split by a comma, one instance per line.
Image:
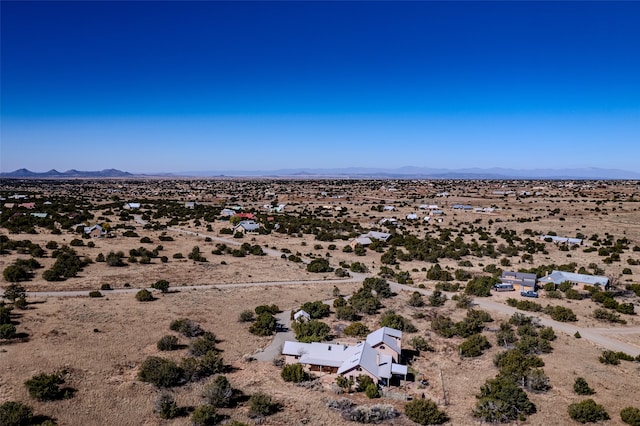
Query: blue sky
x=163, y=86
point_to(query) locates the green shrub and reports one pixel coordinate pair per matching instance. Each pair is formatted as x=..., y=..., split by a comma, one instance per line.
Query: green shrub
x=271, y=309
x=379, y=285
x=604, y=315
x=186, y=327
x=162, y=285
x=587, y=411
x=319, y=265
x=203, y=345
x=167, y=343
x=505, y=336
x=626, y=308
x=356, y=329
x=261, y=404
x=246, y=316
x=294, y=373
x=372, y=391
x=419, y=343
x=573, y=294
x=537, y=381
x=581, y=387
x=161, y=372
x=560, y=313
x=444, y=326
x=416, y=300
x=630, y=415
x=316, y=309
x=219, y=392
x=264, y=325
x=95, y=293
x=437, y=299
x=15, y=414
x=346, y=313
x=311, y=331
x=166, y=407
x=474, y=345
x=46, y=387
x=362, y=382
x=204, y=415
x=500, y=400
x=425, y=412
x=144, y=295
x=554, y=294
x=7, y=331
x=392, y=320
x=480, y=286
x=525, y=305
x=609, y=357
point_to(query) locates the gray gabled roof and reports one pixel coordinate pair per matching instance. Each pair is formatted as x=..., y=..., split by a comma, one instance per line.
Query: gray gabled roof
x=361, y=355
x=247, y=225
x=558, y=277
x=387, y=336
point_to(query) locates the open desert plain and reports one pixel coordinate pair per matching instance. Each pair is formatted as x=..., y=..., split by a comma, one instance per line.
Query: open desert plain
x=168, y=301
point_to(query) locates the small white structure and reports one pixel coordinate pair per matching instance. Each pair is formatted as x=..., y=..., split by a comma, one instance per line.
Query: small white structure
x=301, y=315
x=561, y=240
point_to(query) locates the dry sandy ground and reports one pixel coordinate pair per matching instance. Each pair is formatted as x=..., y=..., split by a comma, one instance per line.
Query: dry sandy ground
x=102, y=365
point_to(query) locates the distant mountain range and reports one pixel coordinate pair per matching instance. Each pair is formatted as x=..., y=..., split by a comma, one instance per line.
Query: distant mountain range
x=53, y=174
x=350, y=172
x=410, y=172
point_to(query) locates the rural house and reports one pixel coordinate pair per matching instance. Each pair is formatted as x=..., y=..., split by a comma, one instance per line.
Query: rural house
x=376, y=357
x=246, y=226
x=520, y=281
x=578, y=280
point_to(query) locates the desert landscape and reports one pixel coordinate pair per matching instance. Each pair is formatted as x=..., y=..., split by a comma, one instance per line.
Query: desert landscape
x=96, y=273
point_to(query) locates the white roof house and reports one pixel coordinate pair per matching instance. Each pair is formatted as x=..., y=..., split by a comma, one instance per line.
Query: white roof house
x=227, y=212
x=370, y=356
x=365, y=241
x=382, y=236
x=132, y=206
x=412, y=216
x=558, y=277
x=247, y=226
x=566, y=240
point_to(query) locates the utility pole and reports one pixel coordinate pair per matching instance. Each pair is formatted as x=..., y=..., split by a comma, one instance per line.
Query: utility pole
x=444, y=392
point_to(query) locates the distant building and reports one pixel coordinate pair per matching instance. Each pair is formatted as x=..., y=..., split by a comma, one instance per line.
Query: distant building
x=521, y=281
x=578, y=280
x=246, y=226
x=561, y=240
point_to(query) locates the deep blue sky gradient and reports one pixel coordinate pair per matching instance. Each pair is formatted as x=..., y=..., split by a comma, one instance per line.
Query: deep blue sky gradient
x=164, y=86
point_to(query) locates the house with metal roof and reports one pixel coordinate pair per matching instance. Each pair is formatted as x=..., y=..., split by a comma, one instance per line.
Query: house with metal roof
x=246, y=226
x=376, y=357
x=578, y=280
x=521, y=281
x=561, y=240
x=94, y=231
x=381, y=236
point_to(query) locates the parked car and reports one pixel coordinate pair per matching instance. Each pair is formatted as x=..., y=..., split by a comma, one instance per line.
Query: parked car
x=529, y=293
x=503, y=287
